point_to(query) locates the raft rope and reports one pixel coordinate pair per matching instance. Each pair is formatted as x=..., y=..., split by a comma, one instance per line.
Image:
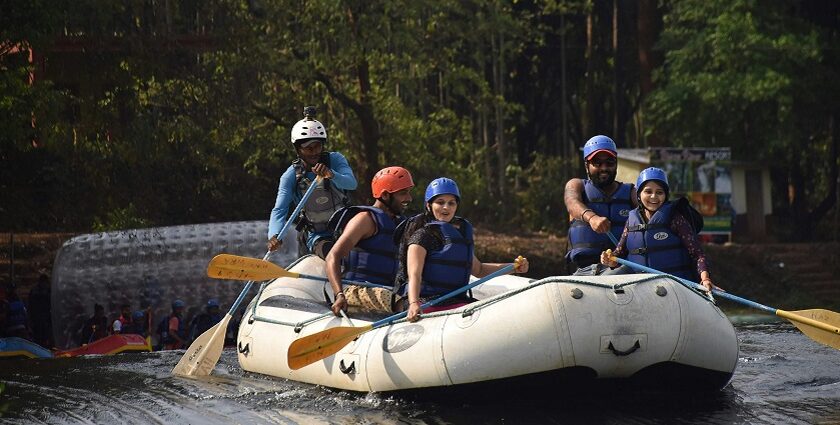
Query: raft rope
x=471, y=308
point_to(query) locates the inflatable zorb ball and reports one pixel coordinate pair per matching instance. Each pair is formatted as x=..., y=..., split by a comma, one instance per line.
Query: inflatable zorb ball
x=151, y=268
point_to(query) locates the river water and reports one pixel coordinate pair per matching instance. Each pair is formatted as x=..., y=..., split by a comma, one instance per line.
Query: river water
x=782, y=377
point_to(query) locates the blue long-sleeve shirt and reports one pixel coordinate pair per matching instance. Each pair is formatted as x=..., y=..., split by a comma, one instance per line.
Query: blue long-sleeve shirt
x=288, y=193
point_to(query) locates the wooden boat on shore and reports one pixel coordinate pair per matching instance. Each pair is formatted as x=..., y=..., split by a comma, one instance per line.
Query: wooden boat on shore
x=522, y=335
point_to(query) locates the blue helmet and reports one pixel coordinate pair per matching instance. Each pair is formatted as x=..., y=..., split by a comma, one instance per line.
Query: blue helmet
x=649, y=174
x=138, y=315
x=212, y=302
x=442, y=186
x=178, y=304
x=598, y=144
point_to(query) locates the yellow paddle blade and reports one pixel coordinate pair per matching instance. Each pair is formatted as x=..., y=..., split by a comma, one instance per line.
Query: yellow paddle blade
x=320, y=345
x=235, y=267
x=204, y=352
x=820, y=325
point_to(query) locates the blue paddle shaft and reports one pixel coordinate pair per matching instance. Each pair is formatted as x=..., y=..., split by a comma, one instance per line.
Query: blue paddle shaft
x=390, y=319
x=717, y=292
x=280, y=236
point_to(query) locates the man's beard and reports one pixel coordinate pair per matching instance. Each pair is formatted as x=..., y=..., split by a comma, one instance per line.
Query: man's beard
x=395, y=206
x=603, y=182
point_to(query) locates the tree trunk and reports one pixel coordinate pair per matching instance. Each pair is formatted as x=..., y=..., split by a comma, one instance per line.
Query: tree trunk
x=616, y=91
x=649, y=26
x=588, y=112
x=499, y=88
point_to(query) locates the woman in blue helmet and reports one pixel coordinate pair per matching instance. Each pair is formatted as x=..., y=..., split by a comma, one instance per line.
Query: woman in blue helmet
x=658, y=236
x=436, y=253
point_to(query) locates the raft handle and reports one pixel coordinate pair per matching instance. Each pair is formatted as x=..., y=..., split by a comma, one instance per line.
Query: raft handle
x=627, y=352
x=347, y=370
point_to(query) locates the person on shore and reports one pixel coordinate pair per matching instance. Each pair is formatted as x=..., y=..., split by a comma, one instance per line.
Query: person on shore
x=309, y=138
x=96, y=327
x=437, y=253
x=171, y=328
x=124, y=320
x=17, y=317
x=658, y=236
x=206, y=320
x=596, y=205
x=365, y=242
x=39, y=306
x=137, y=325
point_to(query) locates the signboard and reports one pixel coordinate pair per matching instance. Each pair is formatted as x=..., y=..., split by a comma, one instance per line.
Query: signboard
x=703, y=175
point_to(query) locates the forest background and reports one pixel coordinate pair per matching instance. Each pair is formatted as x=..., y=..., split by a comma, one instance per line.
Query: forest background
x=143, y=113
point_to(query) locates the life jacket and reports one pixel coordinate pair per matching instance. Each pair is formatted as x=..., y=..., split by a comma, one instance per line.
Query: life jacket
x=373, y=259
x=163, y=330
x=202, y=323
x=325, y=200
x=585, y=241
x=655, y=245
x=449, y=268
x=134, y=328
x=16, y=315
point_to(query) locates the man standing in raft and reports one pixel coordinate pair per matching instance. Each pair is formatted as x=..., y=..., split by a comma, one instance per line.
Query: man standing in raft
x=308, y=138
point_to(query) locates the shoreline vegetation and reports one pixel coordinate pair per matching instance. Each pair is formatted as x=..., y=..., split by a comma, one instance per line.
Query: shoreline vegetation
x=789, y=276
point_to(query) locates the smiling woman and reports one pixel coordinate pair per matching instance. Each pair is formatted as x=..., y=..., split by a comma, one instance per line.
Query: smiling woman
x=659, y=236
x=437, y=253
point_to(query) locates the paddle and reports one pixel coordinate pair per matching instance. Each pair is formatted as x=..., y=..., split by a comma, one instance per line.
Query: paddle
x=820, y=325
x=235, y=267
x=320, y=345
x=203, y=354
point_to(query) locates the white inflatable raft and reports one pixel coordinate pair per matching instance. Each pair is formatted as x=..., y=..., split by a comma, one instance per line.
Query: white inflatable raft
x=522, y=334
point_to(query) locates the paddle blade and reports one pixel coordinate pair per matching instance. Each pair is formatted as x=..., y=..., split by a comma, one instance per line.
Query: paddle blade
x=320, y=345
x=204, y=352
x=827, y=334
x=236, y=267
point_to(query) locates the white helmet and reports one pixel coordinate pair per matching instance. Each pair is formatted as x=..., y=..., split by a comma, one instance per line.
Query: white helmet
x=308, y=128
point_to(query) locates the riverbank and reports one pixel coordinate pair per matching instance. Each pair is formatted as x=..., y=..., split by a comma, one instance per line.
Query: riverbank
x=789, y=276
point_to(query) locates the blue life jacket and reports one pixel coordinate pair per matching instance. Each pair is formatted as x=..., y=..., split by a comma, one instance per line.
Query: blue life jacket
x=373, y=259
x=448, y=268
x=163, y=329
x=16, y=317
x=585, y=241
x=653, y=244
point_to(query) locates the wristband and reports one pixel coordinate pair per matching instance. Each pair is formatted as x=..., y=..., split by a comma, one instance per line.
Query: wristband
x=341, y=293
x=584, y=213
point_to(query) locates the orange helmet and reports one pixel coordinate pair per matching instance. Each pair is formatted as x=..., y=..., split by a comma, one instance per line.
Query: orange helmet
x=390, y=179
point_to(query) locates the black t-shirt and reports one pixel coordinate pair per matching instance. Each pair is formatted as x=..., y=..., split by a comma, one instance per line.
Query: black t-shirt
x=415, y=233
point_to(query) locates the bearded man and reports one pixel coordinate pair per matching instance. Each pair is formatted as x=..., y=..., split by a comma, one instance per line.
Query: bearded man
x=596, y=205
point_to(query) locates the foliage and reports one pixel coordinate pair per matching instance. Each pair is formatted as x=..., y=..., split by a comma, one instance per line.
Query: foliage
x=121, y=218
x=756, y=77
x=177, y=112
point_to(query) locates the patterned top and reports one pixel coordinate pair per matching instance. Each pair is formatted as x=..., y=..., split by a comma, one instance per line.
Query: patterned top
x=415, y=234
x=681, y=227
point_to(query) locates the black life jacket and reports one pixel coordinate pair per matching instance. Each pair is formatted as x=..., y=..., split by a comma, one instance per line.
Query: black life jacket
x=325, y=200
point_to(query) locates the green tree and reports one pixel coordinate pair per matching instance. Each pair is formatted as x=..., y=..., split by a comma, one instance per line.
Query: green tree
x=735, y=75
